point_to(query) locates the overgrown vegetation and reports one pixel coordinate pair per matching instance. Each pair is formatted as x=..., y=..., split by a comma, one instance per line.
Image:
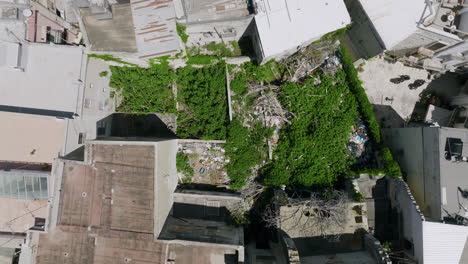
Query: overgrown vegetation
x=183, y=166
x=245, y=148
x=108, y=57
x=201, y=59
x=366, y=110
x=334, y=35
x=365, y=107
x=181, y=31
x=144, y=90
x=392, y=168
x=249, y=72
x=230, y=49
x=311, y=151
x=103, y=73
x=357, y=196
x=202, y=94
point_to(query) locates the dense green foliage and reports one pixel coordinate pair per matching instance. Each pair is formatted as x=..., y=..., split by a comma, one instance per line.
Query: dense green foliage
x=365, y=107
x=334, y=35
x=366, y=110
x=108, y=57
x=245, y=149
x=271, y=71
x=181, y=31
x=183, y=166
x=144, y=90
x=311, y=151
x=202, y=94
x=224, y=50
x=103, y=73
x=392, y=168
x=201, y=59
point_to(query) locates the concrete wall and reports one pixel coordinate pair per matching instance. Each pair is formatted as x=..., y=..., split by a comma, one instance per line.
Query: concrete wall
x=417, y=151
x=362, y=37
x=217, y=31
x=410, y=224
x=418, y=39
x=165, y=182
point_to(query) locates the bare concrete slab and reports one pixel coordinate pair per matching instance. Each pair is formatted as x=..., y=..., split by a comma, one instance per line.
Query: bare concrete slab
x=112, y=35
x=376, y=75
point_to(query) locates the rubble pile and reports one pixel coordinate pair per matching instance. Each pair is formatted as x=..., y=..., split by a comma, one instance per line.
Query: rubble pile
x=357, y=140
x=312, y=57
x=207, y=160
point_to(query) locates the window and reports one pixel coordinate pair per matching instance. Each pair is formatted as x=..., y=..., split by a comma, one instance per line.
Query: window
x=23, y=184
x=81, y=137
x=436, y=46
x=39, y=224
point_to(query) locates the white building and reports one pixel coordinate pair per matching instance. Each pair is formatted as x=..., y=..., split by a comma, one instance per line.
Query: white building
x=40, y=79
x=423, y=239
x=285, y=26
x=428, y=34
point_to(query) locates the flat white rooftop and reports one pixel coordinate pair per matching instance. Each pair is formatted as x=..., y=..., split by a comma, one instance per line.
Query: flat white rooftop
x=30, y=138
x=49, y=80
x=394, y=20
x=285, y=25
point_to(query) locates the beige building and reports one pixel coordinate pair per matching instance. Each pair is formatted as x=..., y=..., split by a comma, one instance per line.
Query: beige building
x=30, y=138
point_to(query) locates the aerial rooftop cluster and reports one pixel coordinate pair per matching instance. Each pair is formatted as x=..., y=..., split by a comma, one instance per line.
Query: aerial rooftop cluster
x=234, y=131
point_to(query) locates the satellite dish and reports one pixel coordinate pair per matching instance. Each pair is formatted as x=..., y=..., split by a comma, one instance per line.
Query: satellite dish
x=27, y=12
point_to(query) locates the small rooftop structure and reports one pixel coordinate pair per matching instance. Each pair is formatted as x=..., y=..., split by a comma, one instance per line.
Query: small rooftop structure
x=30, y=138
x=155, y=28
x=112, y=35
x=284, y=26
x=146, y=29
x=200, y=11
x=46, y=81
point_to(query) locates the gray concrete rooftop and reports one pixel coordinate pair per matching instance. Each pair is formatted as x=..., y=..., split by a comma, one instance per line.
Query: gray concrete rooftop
x=155, y=28
x=111, y=35
x=198, y=11
x=376, y=77
x=49, y=79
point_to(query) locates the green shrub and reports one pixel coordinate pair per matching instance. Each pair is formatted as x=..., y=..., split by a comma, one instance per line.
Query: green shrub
x=183, y=166
x=201, y=59
x=334, y=35
x=311, y=151
x=202, y=95
x=108, y=57
x=392, y=168
x=181, y=32
x=271, y=71
x=144, y=90
x=245, y=149
x=239, y=83
x=358, y=197
x=223, y=50
x=365, y=107
x=240, y=219
x=236, y=48
x=103, y=73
